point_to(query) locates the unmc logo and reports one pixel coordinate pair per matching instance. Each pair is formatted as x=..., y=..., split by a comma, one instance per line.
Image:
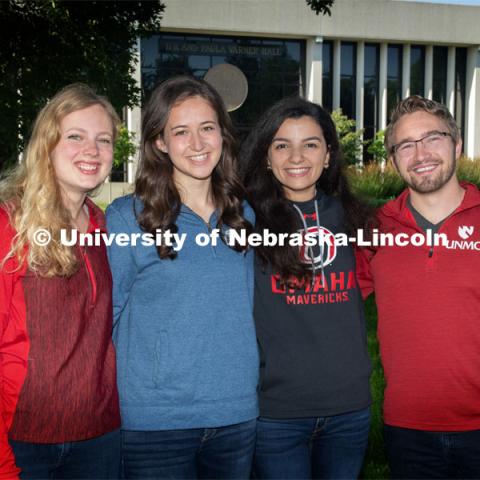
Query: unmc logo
x=465, y=232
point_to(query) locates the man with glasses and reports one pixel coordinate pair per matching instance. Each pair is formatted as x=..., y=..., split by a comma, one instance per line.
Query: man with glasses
x=428, y=300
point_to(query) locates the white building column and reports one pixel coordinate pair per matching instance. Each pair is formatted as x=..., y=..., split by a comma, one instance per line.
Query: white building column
x=133, y=119
x=451, y=80
x=359, y=94
x=336, y=75
x=314, y=69
x=429, y=72
x=406, y=71
x=360, y=90
x=472, y=104
x=382, y=87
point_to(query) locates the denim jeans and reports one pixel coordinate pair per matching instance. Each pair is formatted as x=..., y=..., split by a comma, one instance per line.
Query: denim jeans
x=426, y=454
x=95, y=458
x=318, y=447
x=224, y=452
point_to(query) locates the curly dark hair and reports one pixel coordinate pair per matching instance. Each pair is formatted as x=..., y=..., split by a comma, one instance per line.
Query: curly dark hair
x=266, y=195
x=154, y=184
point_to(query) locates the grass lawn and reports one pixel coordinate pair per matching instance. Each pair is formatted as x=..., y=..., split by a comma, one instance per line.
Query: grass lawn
x=375, y=466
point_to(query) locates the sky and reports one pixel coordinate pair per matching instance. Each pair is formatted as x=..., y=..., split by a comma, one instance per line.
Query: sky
x=453, y=2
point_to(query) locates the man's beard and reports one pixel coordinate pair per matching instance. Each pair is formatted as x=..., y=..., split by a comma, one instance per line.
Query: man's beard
x=430, y=185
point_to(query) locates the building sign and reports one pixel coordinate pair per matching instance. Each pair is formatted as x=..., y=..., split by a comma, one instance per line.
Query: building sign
x=224, y=49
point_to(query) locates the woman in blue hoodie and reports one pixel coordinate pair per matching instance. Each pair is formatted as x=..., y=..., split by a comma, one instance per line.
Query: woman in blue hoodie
x=314, y=370
x=183, y=326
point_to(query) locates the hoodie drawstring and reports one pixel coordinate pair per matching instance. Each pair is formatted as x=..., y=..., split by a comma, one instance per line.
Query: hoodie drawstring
x=310, y=248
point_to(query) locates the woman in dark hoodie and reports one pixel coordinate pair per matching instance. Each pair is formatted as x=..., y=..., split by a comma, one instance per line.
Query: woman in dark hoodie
x=314, y=373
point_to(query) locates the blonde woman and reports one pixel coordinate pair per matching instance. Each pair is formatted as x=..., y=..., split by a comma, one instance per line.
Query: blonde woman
x=59, y=414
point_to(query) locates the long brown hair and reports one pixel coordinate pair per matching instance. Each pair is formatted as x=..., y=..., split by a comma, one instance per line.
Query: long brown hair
x=154, y=184
x=266, y=195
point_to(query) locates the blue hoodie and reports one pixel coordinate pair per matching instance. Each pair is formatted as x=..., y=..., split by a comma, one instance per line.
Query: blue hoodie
x=183, y=329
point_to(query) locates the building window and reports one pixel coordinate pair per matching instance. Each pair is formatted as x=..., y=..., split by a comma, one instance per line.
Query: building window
x=274, y=68
x=119, y=174
x=460, y=88
x=370, y=96
x=348, y=71
x=440, y=63
x=394, y=77
x=417, y=70
x=327, y=75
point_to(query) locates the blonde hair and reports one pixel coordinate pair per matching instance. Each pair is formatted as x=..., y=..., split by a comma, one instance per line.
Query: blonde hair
x=31, y=194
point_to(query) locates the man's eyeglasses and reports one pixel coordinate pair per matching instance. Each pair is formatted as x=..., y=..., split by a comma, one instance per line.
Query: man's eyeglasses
x=430, y=142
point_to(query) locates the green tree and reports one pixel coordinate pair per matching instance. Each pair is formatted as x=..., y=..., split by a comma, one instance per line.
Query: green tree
x=376, y=147
x=321, y=6
x=47, y=44
x=125, y=147
x=349, y=138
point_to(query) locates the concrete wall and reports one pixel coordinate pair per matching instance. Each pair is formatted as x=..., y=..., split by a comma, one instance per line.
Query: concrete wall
x=370, y=20
x=110, y=191
x=410, y=22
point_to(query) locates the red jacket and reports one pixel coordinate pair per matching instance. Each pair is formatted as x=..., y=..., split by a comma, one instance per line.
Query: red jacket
x=57, y=362
x=428, y=301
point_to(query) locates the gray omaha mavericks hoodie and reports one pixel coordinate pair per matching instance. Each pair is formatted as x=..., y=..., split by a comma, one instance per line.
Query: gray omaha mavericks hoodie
x=312, y=338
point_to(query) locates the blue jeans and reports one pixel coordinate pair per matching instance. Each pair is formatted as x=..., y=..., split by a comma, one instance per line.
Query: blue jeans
x=224, y=452
x=426, y=454
x=95, y=458
x=319, y=447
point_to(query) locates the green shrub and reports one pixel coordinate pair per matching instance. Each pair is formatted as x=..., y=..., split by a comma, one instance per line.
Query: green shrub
x=350, y=139
x=377, y=185
x=374, y=183
x=469, y=170
x=125, y=147
x=376, y=147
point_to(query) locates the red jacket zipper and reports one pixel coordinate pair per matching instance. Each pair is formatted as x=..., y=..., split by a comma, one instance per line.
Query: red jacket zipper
x=91, y=276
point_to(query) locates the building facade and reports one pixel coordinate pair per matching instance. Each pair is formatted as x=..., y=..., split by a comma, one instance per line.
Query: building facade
x=363, y=58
